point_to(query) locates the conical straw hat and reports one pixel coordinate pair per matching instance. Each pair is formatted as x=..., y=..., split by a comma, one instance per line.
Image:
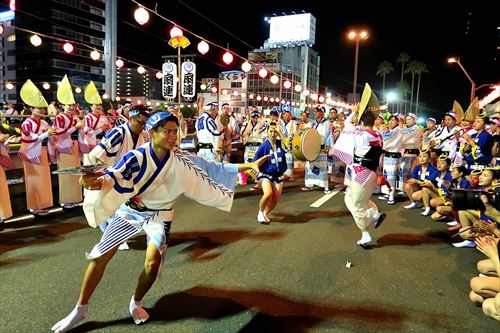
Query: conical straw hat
x=92, y=95
x=65, y=92
x=32, y=96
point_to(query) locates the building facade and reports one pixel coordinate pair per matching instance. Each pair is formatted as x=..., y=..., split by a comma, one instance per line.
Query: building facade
x=82, y=21
x=296, y=64
x=130, y=83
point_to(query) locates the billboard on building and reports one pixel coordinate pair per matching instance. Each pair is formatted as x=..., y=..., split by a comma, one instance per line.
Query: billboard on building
x=298, y=28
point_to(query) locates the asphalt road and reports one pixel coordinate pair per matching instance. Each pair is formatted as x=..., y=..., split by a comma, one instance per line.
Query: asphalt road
x=224, y=272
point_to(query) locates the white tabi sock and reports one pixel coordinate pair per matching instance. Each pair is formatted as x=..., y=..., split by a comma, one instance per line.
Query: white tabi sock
x=137, y=311
x=78, y=313
x=261, y=217
x=267, y=218
x=365, y=237
x=427, y=211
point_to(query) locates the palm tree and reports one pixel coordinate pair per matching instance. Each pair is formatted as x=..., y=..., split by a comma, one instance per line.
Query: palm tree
x=384, y=68
x=403, y=59
x=412, y=68
x=421, y=69
x=403, y=89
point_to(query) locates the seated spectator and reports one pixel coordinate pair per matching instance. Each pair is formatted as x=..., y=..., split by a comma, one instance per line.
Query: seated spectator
x=420, y=174
x=436, y=188
x=444, y=205
x=469, y=216
x=485, y=289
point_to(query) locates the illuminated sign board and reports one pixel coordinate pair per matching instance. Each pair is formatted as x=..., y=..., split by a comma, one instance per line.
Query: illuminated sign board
x=299, y=28
x=7, y=16
x=169, y=81
x=188, y=79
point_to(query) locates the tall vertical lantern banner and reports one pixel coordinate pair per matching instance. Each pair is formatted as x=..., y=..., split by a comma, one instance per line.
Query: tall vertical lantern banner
x=169, y=81
x=188, y=79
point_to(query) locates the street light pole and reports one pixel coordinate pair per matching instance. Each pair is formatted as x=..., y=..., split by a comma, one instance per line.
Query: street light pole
x=356, y=37
x=473, y=89
x=355, y=81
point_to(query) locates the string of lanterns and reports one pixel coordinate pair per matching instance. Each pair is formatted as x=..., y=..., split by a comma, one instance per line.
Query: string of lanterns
x=68, y=47
x=142, y=16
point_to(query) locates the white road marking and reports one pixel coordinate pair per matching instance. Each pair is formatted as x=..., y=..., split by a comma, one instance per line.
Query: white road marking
x=326, y=197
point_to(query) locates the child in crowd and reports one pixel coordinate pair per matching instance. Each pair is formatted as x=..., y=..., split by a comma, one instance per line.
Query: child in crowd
x=419, y=176
x=435, y=189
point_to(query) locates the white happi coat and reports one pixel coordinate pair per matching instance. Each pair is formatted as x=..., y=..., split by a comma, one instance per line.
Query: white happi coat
x=207, y=133
x=288, y=130
x=253, y=132
x=456, y=156
x=157, y=183
x=116, y=143
x=87, y=137
x=393, y=143
x=445, y=138
x=411, y=140
x=354, y=141
x=412, y=137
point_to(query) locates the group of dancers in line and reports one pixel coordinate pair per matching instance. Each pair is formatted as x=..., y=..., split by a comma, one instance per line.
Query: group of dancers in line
x=146, y=173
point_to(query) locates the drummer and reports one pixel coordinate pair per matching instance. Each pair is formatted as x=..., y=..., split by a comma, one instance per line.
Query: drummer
x=317, y=170
x=304, y=120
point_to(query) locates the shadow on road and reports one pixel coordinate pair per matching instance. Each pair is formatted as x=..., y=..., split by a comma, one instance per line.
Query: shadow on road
x=48, y=232
x=411, y=239
x=305, y=217
x=275, y=313
x=205, y=242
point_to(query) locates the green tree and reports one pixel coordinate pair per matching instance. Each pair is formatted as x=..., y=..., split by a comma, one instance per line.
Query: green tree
x=188, y=112
x=384, y=68
x=403, y=59
x=421, y=69
x=412, y=69
x=403, y=90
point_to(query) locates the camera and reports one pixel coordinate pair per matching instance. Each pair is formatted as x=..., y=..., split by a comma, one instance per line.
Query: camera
x=471, y=199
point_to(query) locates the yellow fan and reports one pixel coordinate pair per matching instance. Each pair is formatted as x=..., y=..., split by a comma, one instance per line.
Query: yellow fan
x=65, y=92
x=92, y=95
x=369, y=101
x=32, y=96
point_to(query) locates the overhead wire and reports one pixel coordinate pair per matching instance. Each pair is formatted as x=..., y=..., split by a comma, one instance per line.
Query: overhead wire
x=257, y=65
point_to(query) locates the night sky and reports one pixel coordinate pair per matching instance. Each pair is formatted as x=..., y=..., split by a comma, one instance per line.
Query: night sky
x=427, y=34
